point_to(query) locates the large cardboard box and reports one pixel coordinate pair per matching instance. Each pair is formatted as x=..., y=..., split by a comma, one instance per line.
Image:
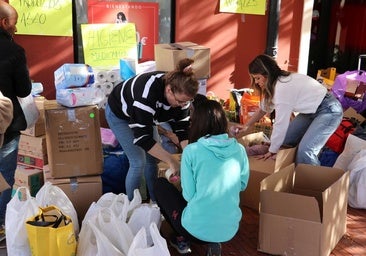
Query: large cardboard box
x=260, y=169
x=73, y=138
x=303, y=210
x=82, y=191
x=167, y=57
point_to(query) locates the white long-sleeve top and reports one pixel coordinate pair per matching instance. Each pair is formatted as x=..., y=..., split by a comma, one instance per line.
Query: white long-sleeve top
x=294, y=93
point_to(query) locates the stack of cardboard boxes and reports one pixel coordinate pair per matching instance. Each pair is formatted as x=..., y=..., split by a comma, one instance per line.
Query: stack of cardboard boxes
x=75, y=158
x=32, y=154
x=65, y=149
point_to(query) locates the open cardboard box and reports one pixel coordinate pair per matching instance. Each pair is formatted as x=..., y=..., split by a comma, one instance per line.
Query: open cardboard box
x=260, y=169
x=303, y=210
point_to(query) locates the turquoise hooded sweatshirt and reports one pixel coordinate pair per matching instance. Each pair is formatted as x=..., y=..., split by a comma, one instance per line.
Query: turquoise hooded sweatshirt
x=213, y=172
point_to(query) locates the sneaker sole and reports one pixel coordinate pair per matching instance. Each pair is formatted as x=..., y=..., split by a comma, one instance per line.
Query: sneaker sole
x=187, y=251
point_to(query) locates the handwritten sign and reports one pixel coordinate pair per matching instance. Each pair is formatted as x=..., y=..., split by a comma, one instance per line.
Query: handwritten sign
x=44, y=17
x=243, y=6
x=105, y=44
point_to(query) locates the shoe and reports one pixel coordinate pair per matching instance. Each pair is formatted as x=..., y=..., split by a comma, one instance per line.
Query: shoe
x=213, y=249
x=180, y=244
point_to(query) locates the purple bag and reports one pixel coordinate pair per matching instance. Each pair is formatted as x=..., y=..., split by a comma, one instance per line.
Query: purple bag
x=339, y=90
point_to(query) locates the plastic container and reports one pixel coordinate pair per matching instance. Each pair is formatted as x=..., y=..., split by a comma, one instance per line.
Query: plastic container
x=249, y=104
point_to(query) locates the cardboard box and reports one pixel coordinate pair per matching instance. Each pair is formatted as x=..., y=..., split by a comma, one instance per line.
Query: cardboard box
x=3, y=183
x=260, y=169
x=31, y=178
x=73, y=138
x=33, y=146
x=303, y=210
x=167, y=57
x=30, y=161
x=82, y=191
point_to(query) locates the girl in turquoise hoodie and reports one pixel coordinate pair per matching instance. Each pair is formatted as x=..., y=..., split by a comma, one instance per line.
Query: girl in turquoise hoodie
x=214, y=169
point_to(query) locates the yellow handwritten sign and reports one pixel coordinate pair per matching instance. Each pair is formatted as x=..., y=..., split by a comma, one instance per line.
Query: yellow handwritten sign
x=44, y=17
x=243, y=6
x=105, y=44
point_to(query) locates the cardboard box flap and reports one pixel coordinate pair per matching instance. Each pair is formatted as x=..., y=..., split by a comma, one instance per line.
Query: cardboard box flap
x=290, y=205
x=325, y=177
x=279, y=181
x=3, y=184
x=183, y=45
x=284, y=158
x=352, y=113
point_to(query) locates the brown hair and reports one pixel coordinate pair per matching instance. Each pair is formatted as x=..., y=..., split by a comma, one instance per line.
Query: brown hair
x=182, y=79
x=208, y=119
x=267, y=66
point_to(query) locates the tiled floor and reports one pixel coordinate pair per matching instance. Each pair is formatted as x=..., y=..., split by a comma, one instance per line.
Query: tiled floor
x=244, y=243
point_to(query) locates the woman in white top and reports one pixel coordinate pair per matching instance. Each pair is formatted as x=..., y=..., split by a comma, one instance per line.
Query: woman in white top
x=318, y=113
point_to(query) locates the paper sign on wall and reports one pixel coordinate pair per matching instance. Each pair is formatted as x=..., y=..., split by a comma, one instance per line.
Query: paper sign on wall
x=243, y=6
x=46, y=17
x=105, y=44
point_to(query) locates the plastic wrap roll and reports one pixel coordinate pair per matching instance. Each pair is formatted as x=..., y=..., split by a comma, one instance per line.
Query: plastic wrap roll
x=107, y=88
x=112, y=76
x=102, y=76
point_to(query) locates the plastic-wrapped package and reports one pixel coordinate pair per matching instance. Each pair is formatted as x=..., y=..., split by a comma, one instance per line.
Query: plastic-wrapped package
x=83, y=96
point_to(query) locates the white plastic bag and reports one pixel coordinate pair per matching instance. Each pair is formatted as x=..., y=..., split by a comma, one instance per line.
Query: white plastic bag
x=17, y=212
x=92, y=242
x=357, y=181
x=30, y=110
x=143, y=216
x=140, y=247
x=50, y=194
x=117, y=231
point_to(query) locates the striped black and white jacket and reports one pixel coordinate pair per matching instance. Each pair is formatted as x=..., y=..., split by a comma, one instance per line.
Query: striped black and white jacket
x=142, y=102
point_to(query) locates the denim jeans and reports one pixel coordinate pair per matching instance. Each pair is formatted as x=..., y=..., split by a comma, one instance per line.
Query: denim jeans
x=8, y=165
x=310, y=132
x=139, y=160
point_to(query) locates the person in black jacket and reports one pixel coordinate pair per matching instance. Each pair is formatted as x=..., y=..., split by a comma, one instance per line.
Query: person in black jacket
x=14, y=82
x=135, y=108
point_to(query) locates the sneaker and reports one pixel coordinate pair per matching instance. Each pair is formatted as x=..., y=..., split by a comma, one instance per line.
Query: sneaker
x=213, y=249
x=180, y=244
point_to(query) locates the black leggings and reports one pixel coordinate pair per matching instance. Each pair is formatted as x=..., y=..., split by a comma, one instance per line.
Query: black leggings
x=171, y=203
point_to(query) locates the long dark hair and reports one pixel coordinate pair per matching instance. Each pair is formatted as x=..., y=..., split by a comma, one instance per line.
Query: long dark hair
x=207, y=119
x=267, y=66
x=182, y=78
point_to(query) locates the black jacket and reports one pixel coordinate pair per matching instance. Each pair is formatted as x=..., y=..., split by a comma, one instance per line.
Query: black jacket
x=14, y=80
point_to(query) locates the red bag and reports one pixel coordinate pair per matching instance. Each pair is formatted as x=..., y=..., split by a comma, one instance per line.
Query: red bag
x=338, y=139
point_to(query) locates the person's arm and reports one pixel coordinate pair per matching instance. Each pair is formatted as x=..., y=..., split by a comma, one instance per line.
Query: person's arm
x=237, y=130
x=163, y=155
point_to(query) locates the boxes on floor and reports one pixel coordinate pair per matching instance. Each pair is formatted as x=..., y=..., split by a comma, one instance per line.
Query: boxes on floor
x=260, y=169
x=303, y=210
x=82, y=191
x=167, y=57
x=73, y=140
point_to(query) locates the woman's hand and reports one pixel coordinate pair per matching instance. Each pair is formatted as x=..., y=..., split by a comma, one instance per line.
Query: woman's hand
x=267, y=156
x=236, y=129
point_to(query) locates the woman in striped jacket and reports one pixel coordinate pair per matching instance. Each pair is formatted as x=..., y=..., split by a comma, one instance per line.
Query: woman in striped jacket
x=135, y=108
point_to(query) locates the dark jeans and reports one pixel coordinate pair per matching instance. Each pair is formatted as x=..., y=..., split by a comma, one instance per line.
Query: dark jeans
x=171, y=203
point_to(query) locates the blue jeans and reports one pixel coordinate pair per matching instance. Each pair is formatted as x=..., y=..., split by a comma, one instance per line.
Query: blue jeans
x=310, y=132
x=140, y=161
x=8, y=165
